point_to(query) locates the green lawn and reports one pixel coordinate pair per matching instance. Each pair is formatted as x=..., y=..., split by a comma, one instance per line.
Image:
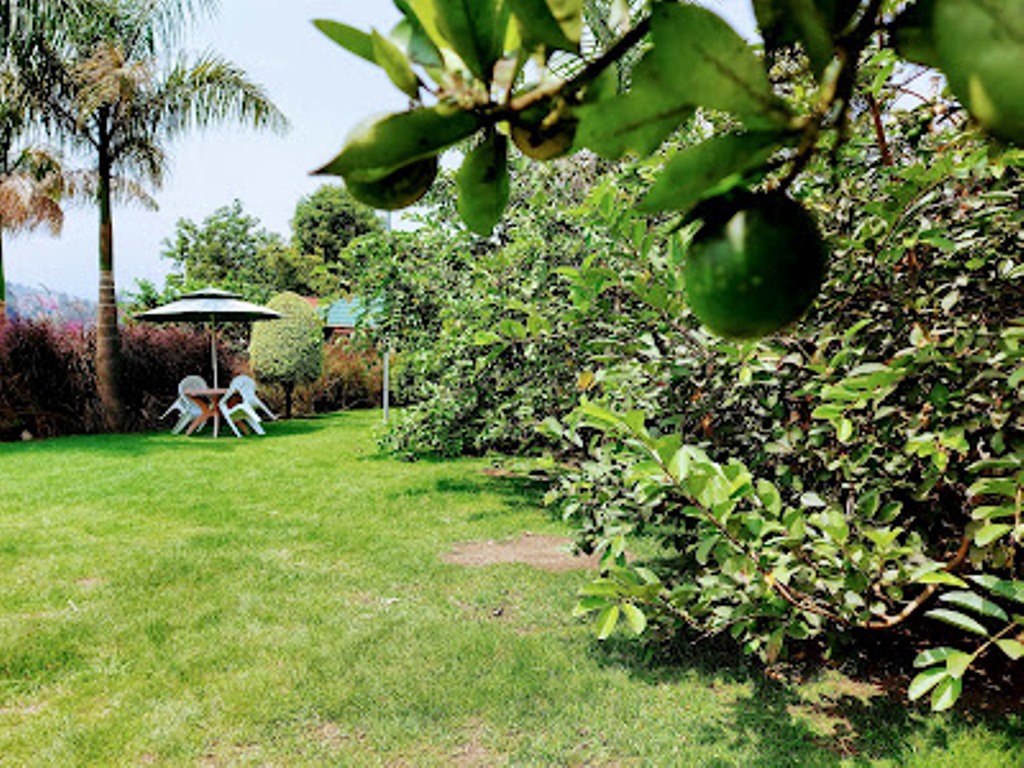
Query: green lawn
x=282, y=601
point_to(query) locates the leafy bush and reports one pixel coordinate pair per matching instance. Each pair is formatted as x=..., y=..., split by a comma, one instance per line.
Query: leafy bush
x=352, y=378
x=288, y=352
x=863, y=473
x=46, y=387
x=48, y=384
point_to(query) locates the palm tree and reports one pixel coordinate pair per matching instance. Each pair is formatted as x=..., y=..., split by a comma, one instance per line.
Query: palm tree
x=107, y=90
x=31, y=180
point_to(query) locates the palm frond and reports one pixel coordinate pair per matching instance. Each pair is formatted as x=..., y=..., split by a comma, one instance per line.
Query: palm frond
x=135, y=150
x=84, y=186
x=26, y=203
x=211, y=91
x=107, y=78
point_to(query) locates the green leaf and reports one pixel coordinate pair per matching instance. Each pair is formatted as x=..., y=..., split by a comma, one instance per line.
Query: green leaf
x=1011, y=590
x=958, y=620
x=601, y=588
x=396, y=65
x=588, y=604
x=1012, y=648
x=958, y=662
x=975, y=602
x=709, y=168
x=721, y=72
x=418, y=43
x=483, y=183
x=990, y=533
x=351, y=39
x=940, y=577
x=912, y=34
x=925, y=681
x=377, y=148
x=783, y=22
x=946, y=693
x=539, y=26
x=994, y=486
x=634, y=618
x=933, y=656
x=637, y=121
x=476, y=30
x=606, y=621
x=702, y=62
x=704, y=548
x=770, y=497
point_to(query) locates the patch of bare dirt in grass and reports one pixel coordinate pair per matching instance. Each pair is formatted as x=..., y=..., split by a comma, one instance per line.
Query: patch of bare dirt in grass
x=549, y=553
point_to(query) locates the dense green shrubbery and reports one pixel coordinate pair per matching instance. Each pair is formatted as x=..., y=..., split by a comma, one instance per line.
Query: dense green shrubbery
x=859, y=472
x=486, y=353
x=859, y=468
x=863, y=472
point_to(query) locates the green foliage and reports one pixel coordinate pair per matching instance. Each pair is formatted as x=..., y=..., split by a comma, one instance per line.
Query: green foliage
x=326, y=221
x=848, y=477
x=486, y=352
x=230, y=249
x=288, y=352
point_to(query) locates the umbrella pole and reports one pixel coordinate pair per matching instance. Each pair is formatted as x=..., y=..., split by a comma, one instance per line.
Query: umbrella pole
x=213, y=350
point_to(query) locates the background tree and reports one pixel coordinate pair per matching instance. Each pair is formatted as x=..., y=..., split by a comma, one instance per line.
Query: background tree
x=324, y=224
x=231, y=250
x=114, y=89
x=288, y=352
x=31, y=181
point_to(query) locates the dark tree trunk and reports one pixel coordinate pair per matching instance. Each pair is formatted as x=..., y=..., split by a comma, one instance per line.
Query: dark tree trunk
x=3, y=285
x=108, y=346
x=289, y=389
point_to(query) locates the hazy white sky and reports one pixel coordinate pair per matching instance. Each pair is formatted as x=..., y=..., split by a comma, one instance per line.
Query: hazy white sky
x=323, y=90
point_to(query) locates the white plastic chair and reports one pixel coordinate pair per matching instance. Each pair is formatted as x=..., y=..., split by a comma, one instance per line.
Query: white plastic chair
x=240, y=406
x=246, y=387
x=186, y=407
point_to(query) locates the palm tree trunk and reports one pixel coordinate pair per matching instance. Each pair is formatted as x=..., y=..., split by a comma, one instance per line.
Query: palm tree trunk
x=108, y=347
x=3, y=284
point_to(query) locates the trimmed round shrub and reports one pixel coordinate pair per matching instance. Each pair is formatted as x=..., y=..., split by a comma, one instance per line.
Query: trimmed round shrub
x=288, y=352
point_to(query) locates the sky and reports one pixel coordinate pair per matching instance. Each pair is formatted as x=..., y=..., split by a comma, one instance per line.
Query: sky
x=322, y=89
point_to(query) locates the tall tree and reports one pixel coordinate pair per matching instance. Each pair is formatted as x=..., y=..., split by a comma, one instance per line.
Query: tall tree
x=230, y=249
x=30, y=179
x=326, y=221
x=118, y=89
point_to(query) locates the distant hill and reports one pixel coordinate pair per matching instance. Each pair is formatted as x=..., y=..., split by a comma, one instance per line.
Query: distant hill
x=39, y=303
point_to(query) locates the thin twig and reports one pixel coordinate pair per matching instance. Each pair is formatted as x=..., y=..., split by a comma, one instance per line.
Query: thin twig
x=589, y=72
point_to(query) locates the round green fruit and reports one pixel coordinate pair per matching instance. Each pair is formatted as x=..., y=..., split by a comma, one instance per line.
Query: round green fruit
x=755, y=265
x=541, y=135
x=980, y=47
x=398, y=189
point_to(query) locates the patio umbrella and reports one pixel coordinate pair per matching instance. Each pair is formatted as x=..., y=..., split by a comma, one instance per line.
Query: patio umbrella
x=209, y=305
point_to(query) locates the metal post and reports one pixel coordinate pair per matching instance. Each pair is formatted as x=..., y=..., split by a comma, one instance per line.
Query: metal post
x=387, y=381
x=387, y=358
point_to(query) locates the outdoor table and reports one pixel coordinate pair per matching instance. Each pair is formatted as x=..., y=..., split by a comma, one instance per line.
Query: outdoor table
x=208, y=401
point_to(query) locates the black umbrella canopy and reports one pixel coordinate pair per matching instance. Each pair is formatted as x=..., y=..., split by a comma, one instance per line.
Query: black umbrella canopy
x=209, y=305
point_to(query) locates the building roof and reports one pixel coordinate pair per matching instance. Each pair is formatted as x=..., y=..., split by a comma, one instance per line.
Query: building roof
x=346, y=313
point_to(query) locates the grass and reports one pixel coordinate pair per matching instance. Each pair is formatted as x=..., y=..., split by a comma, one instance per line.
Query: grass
x=282, y=601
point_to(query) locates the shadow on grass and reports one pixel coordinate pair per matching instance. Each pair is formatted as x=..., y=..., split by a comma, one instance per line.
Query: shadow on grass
x=516, y=492
x=814, y=721
x=134, y=444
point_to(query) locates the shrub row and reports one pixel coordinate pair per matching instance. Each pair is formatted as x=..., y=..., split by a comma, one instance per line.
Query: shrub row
x=48, y=380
